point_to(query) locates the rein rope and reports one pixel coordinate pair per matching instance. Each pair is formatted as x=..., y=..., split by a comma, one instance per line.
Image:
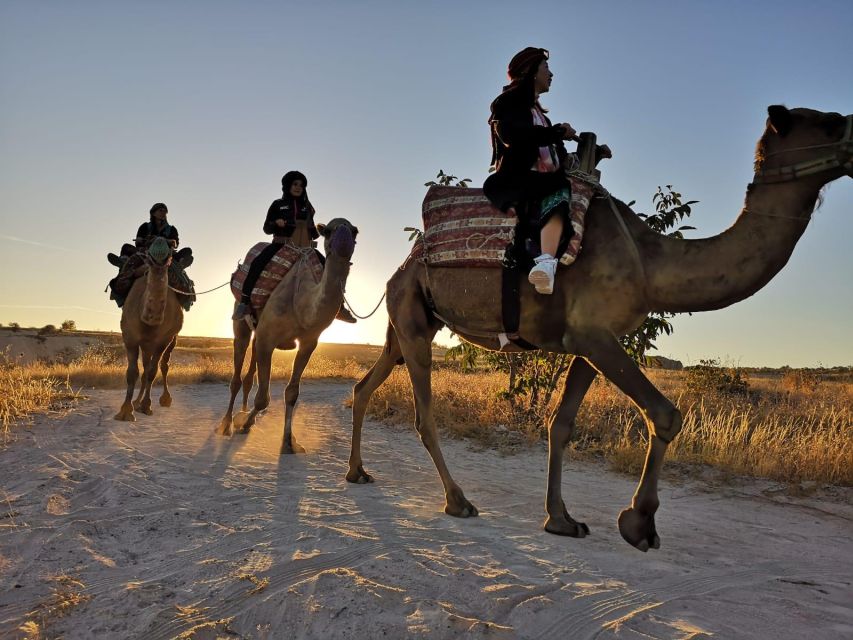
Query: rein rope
x=352, y=311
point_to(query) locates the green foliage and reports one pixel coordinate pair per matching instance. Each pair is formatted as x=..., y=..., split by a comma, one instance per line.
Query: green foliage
x=670, y=211
x=446, y=180
x=709, y=377
x=68, y=325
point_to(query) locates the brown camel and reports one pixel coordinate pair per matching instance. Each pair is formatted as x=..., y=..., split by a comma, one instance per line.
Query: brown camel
x=626, y=270
x=298, y=310
x=150, y=320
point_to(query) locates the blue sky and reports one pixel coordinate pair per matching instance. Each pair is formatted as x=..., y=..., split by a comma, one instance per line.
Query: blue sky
x=108, y=107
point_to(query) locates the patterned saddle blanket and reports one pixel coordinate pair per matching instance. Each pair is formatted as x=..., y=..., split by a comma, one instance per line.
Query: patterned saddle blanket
x=275, y=270
x=463, y=229
x=179, y=281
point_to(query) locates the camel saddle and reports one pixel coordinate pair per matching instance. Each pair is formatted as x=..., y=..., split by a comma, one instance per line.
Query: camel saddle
x=278, y=267
x=134, y=267
x=463, y=229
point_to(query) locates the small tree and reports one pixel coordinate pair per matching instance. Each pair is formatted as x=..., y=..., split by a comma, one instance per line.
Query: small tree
x=68, y=325
x=446, y=180
x=670, y=211
x=14, y=326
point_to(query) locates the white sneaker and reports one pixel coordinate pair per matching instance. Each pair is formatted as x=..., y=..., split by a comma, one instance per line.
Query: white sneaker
x=542, y=274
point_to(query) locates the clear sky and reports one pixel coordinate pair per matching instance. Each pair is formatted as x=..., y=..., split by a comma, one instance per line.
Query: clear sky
x=107, y=107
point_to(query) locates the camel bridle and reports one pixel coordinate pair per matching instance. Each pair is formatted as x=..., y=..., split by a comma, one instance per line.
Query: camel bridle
x=842, y=157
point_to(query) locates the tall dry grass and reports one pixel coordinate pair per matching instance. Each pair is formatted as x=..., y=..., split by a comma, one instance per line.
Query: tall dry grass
x=793, y=427
x=41, y=386
x=779, y=429
x=22, y=393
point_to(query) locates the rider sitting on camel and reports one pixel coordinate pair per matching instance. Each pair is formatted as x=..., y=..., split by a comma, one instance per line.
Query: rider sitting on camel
x=531, y=162
x=290, y=220
x=131, y=263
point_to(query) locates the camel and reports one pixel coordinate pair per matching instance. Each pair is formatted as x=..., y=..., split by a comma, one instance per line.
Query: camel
x=150, y=320
x=625, y=271
x=298, y=310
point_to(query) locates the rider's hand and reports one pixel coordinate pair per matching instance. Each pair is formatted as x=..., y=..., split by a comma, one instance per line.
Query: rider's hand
x=568, y=131
x=604, y=151
x=280, y=222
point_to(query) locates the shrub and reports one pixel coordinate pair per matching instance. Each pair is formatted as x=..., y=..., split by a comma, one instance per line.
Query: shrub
x=48, y=330
x=68, y=325
x=14, y=326
x=710, y=376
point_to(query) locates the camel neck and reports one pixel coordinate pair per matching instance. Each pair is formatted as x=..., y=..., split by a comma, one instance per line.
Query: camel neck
x=712, y=273
x=154, y=299
x=330, y=290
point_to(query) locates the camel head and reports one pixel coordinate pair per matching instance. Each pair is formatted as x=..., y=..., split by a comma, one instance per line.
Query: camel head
x=802, y=142
x=160, y=252
x=339, y=237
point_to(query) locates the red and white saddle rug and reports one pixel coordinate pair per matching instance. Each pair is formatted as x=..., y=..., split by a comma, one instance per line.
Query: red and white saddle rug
x=278, y=267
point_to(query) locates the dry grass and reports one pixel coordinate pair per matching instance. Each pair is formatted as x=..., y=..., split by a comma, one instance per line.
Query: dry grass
x=23, y=392
x=789, y=431
x=65, y=595
x=794, y=425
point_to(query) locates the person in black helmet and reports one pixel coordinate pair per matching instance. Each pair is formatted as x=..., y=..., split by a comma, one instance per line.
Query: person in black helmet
x=290, y=219
x=131, y=262
x=157, y=225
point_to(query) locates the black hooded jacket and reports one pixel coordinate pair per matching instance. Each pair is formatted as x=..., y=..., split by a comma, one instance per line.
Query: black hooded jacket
x=516, y=141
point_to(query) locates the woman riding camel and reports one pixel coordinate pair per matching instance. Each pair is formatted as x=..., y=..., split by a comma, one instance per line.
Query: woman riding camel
x=531, y=162
x=290, y=220
x=157, y=226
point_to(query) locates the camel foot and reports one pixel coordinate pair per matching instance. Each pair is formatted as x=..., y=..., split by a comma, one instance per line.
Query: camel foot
x=224, y=428
x=166, y=400
x=359, y=476
x=125, y=414
x=147, y=410
x=638, y=529
x=293, y=447
x=240, y=419
x=566, y=526
x=458, y=506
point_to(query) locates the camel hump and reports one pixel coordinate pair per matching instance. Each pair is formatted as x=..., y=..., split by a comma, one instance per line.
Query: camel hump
x=279, y=265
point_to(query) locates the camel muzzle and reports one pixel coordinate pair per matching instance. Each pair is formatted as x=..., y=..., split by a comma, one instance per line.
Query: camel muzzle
x=343, y=242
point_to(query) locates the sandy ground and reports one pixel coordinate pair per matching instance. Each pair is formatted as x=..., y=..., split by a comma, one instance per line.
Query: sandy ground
x=160, y=528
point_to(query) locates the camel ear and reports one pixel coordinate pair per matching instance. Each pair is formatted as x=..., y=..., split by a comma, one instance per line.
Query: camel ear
x=321, y=229
x=780, y=119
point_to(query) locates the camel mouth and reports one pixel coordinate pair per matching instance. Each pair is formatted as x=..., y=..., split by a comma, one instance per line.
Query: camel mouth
x=343, y=242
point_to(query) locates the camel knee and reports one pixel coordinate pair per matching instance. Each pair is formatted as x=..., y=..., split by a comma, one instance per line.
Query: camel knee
x=559, y=433
x=666, y=422
x=291, y=394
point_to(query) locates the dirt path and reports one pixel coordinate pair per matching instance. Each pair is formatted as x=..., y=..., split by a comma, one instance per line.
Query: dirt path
x=159, y=528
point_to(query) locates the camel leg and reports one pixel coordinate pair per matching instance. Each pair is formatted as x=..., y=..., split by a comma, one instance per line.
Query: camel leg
x=562, y=425
x=663, y=420
x=146, y=361
x=416, y=347
x=361, y=394
x=166, y=398
x=263, y=357
x=150, y=361
x=126, y=411
x=249, y=378
x=241, y=343
x=291, y=395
